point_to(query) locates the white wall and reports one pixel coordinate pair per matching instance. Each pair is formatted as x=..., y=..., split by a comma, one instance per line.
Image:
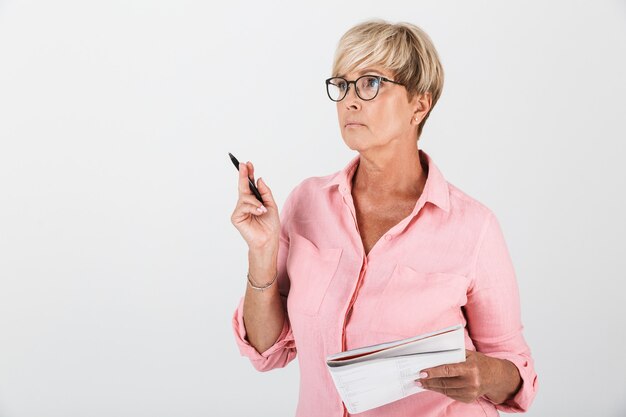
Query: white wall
x=119, y=267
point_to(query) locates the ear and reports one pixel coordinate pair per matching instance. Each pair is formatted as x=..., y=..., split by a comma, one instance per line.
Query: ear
x=422, y=104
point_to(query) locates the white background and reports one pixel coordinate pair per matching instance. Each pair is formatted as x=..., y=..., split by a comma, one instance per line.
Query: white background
x=119, y=267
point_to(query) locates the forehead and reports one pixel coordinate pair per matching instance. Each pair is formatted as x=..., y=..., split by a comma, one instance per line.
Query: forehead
x=376, y=70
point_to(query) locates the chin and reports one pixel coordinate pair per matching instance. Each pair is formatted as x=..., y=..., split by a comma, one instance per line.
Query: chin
x=355, y=144
x=359, y=143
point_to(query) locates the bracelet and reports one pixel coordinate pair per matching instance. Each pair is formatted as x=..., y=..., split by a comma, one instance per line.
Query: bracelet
x=265, y=286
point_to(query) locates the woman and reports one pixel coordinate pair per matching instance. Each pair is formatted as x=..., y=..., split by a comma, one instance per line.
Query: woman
x=382, y=250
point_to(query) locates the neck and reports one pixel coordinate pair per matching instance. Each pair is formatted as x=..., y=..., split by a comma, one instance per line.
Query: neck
x=390, y=174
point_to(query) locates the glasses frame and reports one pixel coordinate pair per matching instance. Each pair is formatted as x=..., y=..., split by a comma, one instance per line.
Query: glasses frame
x=379, y=77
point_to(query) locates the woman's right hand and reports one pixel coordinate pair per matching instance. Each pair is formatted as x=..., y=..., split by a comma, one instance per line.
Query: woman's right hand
x=260, y=229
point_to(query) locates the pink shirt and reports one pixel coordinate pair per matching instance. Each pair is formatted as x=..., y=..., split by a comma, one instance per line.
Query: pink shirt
x=446, y=263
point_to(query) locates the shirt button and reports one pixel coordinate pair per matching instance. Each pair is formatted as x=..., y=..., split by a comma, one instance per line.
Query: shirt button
x=388, y=237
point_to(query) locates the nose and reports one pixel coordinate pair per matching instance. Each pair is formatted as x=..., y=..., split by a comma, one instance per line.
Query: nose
x=352, y=101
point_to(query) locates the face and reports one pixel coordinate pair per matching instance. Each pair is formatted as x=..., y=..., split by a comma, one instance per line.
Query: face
x=388, y=119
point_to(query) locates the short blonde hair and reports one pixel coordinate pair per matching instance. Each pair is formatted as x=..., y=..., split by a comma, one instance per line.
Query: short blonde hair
x=402, y=48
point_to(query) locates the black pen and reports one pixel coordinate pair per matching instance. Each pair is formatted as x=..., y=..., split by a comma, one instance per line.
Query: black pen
x=250, y=183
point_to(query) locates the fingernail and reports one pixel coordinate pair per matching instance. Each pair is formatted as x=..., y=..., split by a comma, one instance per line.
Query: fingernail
x=260, y=209
x=264, y=209
x=419, y=384
x=423, y=375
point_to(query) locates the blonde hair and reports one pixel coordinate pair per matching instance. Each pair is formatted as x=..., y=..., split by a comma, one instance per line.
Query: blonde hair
x=402, y=48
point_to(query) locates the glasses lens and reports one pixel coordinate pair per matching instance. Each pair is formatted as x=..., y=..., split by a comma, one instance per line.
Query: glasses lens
x=336, y=88
x=367, y=87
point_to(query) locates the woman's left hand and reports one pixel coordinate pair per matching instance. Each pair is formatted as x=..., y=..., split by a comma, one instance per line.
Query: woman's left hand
x=479, y=375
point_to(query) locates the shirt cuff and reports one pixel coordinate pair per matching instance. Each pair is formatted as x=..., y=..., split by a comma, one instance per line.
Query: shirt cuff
x=285, y=339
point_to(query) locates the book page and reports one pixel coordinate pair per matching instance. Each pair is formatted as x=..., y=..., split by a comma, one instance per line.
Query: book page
x=385, y=375
x=373, y=348
x=440, y=342
x=363, y=386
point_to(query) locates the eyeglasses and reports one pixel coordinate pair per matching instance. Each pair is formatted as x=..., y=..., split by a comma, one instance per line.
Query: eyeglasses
x=366, y=86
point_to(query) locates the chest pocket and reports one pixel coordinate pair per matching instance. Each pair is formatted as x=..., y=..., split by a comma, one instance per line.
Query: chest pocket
x=310, y=270
x=415, y=302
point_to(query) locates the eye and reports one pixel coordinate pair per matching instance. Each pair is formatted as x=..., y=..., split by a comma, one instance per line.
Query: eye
x=340, y=83
x=371, y=82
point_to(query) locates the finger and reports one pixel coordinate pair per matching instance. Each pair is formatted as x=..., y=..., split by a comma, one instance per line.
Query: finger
x=266, y=193
x=251, y=171
x=447, y=371
x=255, y=208
x=249, y=199
x=244, y=210
x=441, y=383
x=459, y=394
x=244, y=187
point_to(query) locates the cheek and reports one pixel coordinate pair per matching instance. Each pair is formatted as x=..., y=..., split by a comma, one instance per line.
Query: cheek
x=387, y=126
x=390, y=119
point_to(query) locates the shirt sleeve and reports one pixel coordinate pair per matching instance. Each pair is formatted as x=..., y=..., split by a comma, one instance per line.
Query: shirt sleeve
x=283, y=350
x=494, y=315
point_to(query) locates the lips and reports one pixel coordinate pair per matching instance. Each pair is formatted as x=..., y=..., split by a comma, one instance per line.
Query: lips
x=353, y=123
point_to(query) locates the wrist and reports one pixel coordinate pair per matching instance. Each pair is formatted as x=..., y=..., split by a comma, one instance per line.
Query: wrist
x=262, y=266
x=263, y=287
x=263, y=258
x=506, y=381
x=265, y=246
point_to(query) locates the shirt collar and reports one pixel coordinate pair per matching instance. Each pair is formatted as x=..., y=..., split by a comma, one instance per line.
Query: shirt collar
x=436, y=188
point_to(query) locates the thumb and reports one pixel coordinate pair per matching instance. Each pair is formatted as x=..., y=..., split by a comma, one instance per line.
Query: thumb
x=265, y=191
